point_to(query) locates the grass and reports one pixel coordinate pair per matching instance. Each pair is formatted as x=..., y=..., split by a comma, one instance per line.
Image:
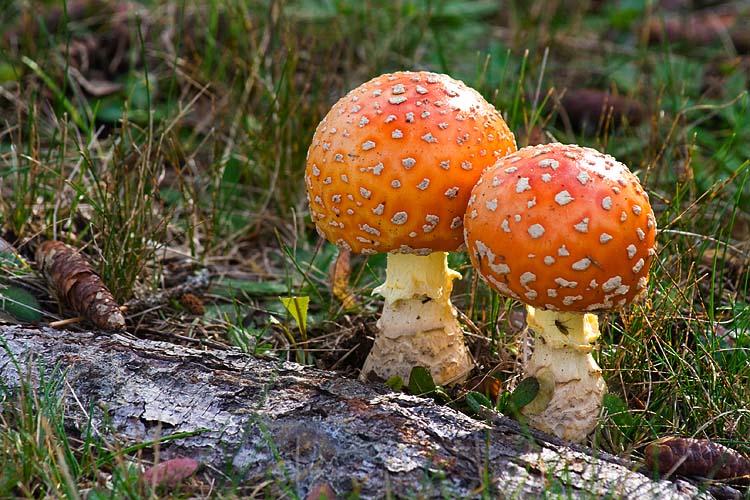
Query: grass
x=39, y=456
x=166, y=139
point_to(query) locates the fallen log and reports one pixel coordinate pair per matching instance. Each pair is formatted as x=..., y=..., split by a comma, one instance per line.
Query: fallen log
x=295, y=428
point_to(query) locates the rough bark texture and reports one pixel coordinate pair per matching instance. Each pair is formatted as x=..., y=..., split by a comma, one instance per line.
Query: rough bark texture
x=296, y=427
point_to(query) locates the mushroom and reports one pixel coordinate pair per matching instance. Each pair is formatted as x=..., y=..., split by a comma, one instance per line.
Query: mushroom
x=570, y=232
x=390, y=169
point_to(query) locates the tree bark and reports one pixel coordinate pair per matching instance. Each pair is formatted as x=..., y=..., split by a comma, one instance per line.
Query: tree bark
x=296, y=428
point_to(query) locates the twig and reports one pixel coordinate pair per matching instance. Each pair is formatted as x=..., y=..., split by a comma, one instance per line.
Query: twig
x=185, y=338
x=191, y=285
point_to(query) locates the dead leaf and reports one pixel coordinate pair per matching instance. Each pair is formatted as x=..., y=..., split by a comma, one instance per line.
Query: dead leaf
x=192, y=303
x=487, y=384
x=100, y=52
x=321, y=492
x=585, y=108
x=6, y=247
x=733, y=260
x=95, y=87
x=700, y=28
x=77, y=285
x=170, y=473
x=339, y=277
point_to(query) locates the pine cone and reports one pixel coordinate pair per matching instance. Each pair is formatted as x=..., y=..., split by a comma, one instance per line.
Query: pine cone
x=77, y=285
x=697, y=457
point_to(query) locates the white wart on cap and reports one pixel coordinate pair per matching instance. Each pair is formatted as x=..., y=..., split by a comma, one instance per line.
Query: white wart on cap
x=562, y=227
x=391, y=166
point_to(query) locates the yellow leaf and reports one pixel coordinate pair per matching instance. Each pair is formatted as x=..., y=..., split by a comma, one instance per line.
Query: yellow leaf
x=297, y=307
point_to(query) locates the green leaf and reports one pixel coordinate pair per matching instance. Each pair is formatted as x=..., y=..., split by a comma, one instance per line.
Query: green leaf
x=395, y=382
x=99, y=494
x=440, y=395
x=20, y=304
x=11, y=260
x=8, y=73
x=618, y=411
x=626, y=12
x=524, y=393
x=229, y=287
x=502, y=402
x=420, y=381
x=297, y=307
x=477, y=401
x=110, y=109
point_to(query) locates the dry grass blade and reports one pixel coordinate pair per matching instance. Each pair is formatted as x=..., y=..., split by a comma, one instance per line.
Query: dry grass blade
x=76, y=283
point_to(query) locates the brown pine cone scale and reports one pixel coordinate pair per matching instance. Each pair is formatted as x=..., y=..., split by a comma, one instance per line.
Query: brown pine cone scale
x=77, y=285
x=697, y=458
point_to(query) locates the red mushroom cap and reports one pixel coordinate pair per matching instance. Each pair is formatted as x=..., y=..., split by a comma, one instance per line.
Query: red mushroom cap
x=391, y=166
x=562, y=227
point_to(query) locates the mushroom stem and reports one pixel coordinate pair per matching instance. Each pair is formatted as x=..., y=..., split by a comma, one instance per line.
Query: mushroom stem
x=571, y=386
x=418, y=326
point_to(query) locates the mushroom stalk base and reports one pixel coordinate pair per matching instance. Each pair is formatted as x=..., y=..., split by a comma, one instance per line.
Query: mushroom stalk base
x=418, y=326
x=571, y=386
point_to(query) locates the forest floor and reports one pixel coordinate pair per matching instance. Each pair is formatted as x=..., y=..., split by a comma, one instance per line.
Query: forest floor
x=166, y=141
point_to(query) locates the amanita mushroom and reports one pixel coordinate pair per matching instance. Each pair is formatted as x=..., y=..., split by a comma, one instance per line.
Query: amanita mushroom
x=569, y=231
x=390, y=169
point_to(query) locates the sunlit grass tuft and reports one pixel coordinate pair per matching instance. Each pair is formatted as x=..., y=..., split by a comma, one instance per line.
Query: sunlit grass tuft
x=37, y=456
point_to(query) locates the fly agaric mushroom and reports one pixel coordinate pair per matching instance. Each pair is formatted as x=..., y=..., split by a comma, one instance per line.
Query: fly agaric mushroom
x=390, y=169
x=569, y=231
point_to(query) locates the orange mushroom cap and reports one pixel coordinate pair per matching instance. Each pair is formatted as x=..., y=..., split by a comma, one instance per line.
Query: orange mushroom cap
x=392, y=164
x=562, y=227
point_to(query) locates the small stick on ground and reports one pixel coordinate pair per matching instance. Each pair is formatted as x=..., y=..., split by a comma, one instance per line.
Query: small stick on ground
x=192, y=284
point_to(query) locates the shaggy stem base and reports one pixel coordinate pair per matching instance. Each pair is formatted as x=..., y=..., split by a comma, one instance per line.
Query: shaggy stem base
x=418, y=326
x=571, y=386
